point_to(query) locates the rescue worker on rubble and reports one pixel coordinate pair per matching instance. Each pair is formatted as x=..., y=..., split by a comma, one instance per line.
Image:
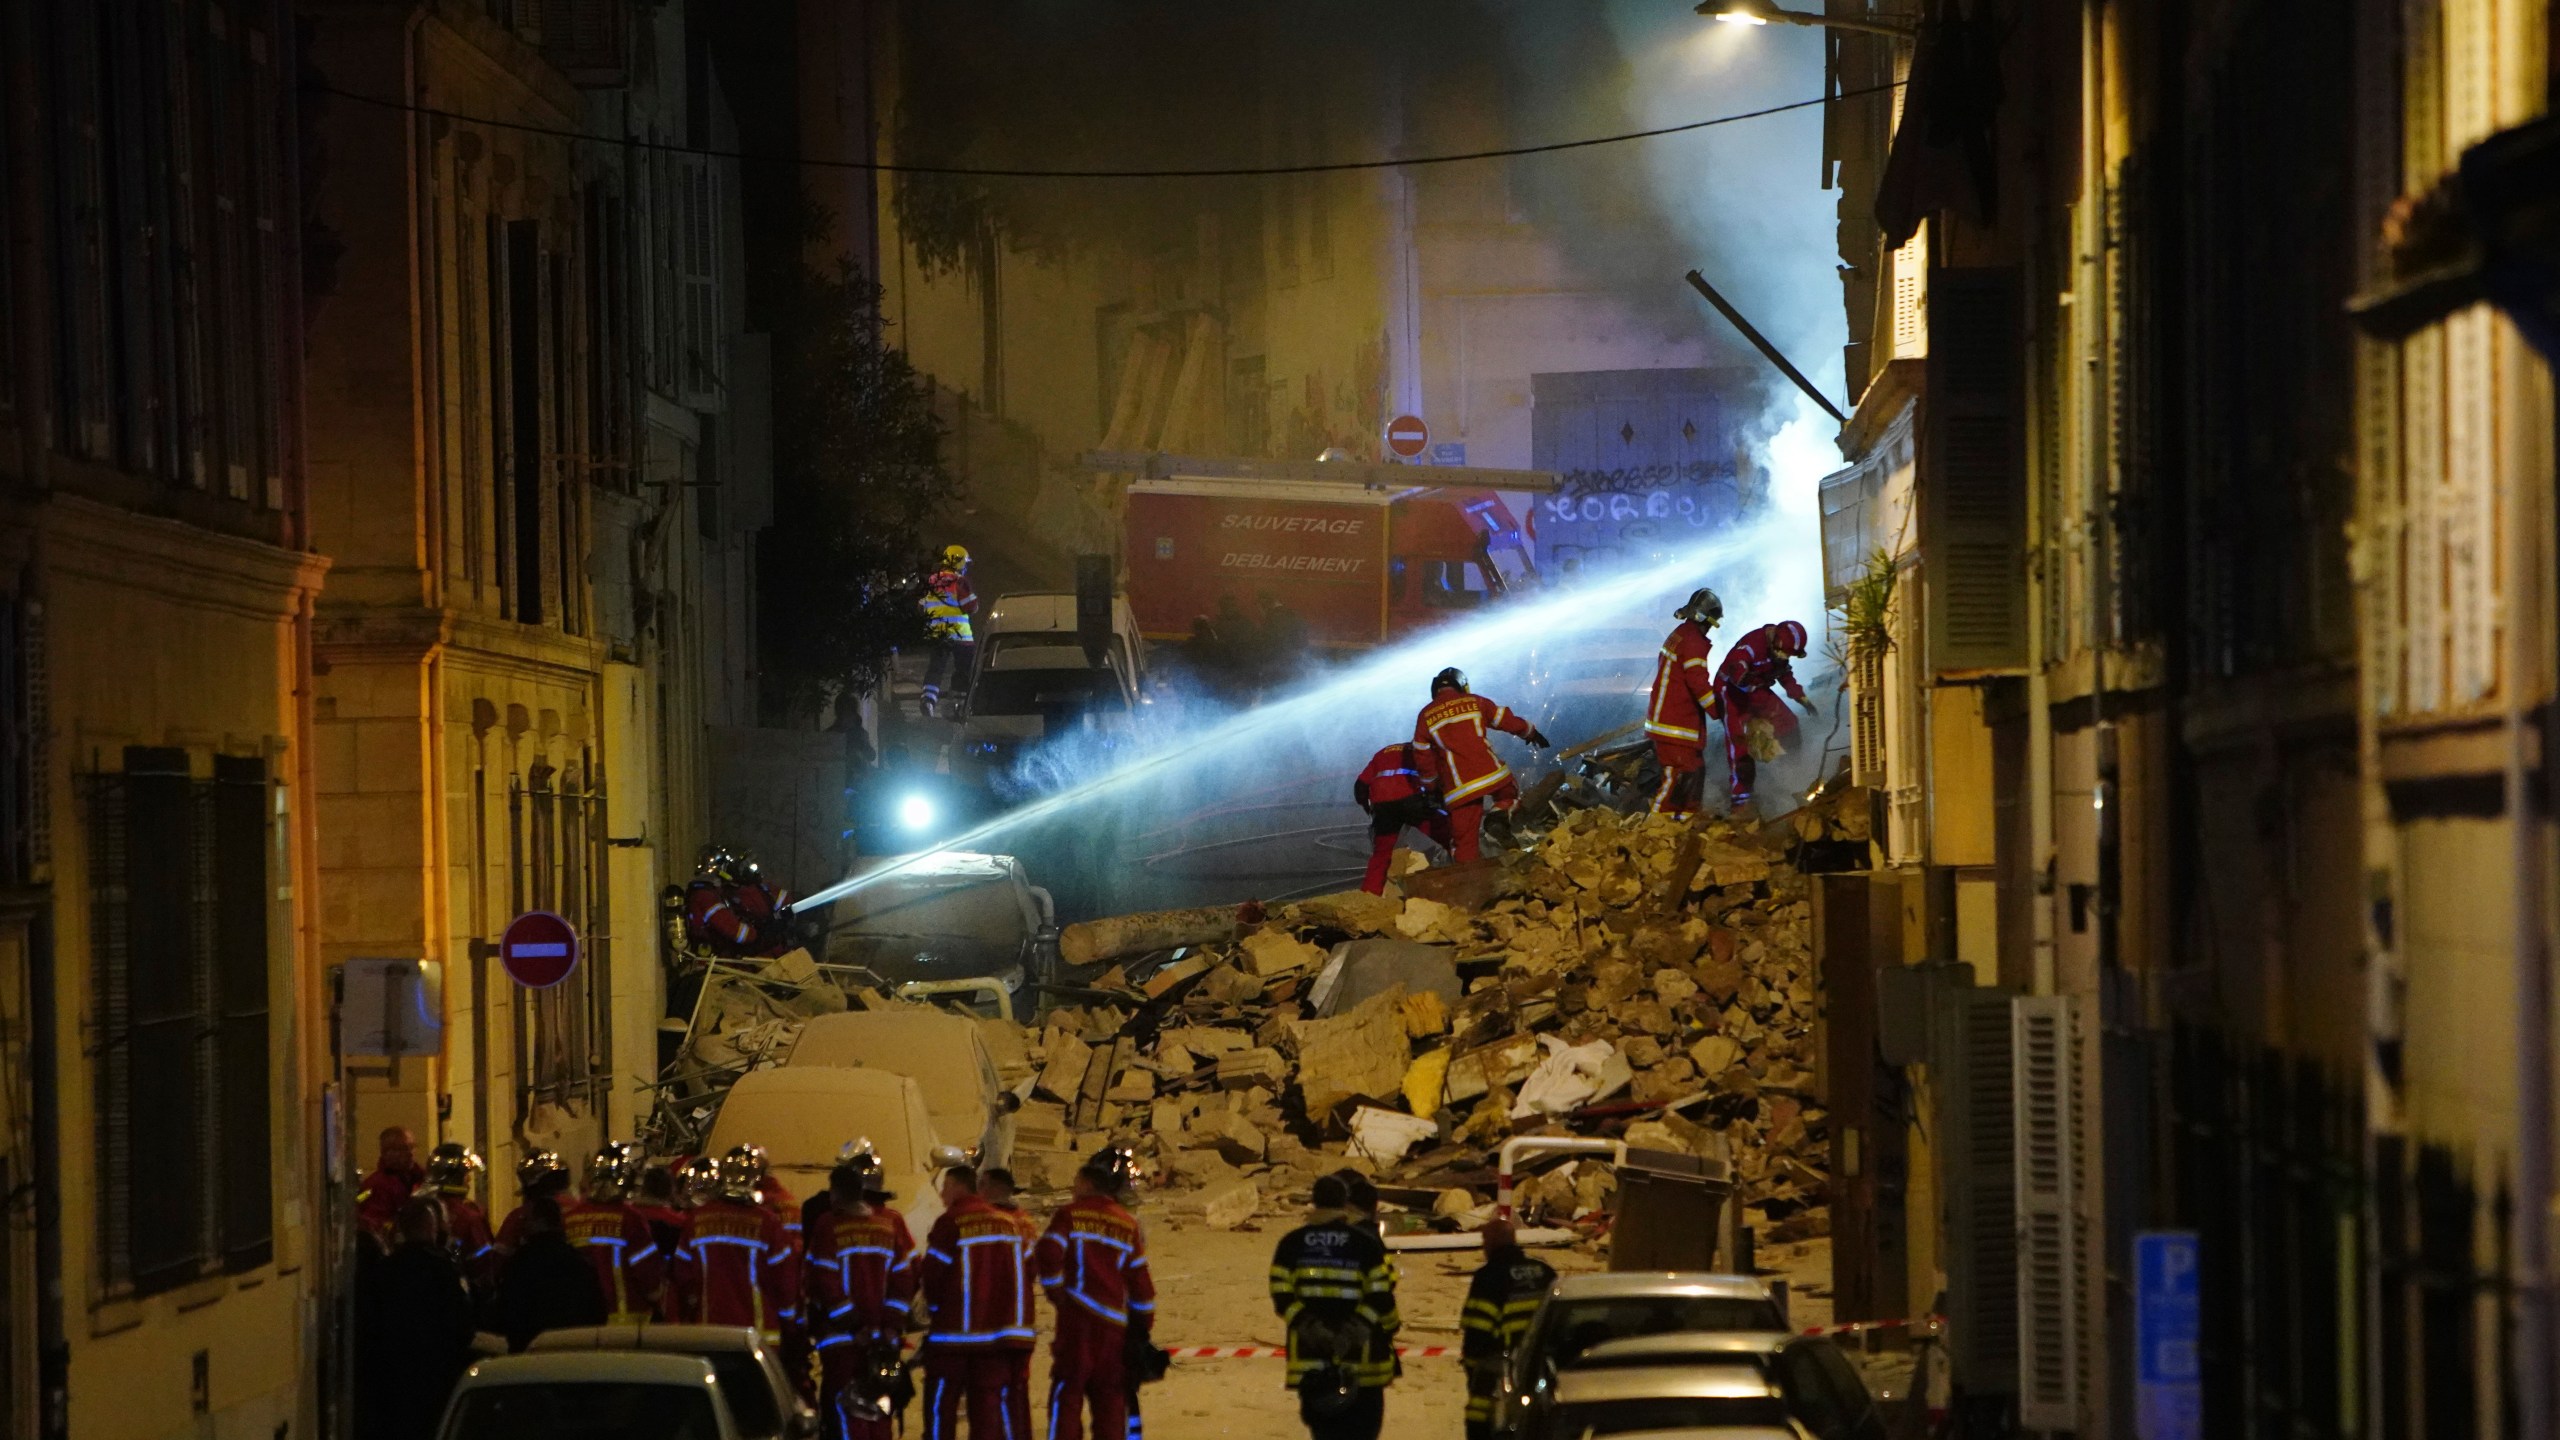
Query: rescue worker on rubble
x=450, y=1168
x=734, y=1265
x=1475, y=785
x=995, y=1184
x=971, y=1281
x=1755, y=668
x=1676, y=716
x=1399, y=790
x=396, y=1176
x=1335, y=1290
x=1501, y=1299
x=861, y=1286
x=614, y=1236
x=948, y=603
x=1093, y=1264
x=731, y=910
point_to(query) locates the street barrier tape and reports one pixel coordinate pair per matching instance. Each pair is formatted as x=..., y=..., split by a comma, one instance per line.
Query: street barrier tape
x=1281, y=1352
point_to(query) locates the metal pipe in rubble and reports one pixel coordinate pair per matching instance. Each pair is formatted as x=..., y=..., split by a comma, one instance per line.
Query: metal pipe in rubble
x=919, y=989
x=1519, y=1145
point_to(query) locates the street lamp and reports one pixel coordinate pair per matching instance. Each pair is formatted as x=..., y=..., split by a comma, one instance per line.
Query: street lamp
x=1762, y=12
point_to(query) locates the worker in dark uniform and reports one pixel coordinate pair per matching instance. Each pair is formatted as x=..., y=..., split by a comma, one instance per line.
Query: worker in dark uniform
x=1335, y=1290
x=1501, y=1298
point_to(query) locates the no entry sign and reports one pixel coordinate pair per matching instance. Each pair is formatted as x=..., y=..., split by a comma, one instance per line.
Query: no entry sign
x=539, y=949
x=1407, y=436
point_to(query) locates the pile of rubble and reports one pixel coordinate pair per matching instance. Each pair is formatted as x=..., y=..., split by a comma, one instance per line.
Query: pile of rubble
x=1634, y=977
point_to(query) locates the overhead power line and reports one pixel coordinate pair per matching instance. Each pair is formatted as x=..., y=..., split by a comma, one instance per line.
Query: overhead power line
x=990, y=172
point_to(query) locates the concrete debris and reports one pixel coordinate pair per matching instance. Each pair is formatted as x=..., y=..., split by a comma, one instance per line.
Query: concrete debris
x=1634, y=977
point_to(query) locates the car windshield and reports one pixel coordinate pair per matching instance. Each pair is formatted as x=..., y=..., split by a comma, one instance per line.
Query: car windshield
x=1627, y=1417
x=577, y=1410
x=744, y=1384
x=1576, y=1325
x=1037, y=692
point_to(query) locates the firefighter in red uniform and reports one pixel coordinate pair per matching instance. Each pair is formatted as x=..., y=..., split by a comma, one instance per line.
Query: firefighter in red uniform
x=1473, y=780
x=466, y=1225
x=731, y=910
x=540, y=1173
x=1756, y=667
x=614, y=1236
x=1399, y=790
x=862, y=1282
x=734, y=1264
x=995, y=1185
x=1093, y=1263
x=971, y=1276
x=777, y=1200
x=395, y=1178
x=1683, y=687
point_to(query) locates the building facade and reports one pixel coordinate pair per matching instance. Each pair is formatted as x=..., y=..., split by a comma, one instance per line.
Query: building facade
x=2218, y=640
x=536, y=455
x=159, y=1125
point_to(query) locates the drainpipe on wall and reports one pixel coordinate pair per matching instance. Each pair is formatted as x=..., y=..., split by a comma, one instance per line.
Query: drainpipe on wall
x=2527, y=631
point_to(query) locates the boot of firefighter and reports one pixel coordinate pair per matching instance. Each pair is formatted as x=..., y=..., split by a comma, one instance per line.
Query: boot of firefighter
x=1497, y=828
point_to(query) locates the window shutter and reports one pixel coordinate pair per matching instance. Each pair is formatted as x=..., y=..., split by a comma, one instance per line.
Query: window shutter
x=2047, y=1034
x=1970, y=1067
x=585, y=40
x=1910, y=297
x=1972, y=474
x=697, y=249
x=241, y=842
x=1866, y=719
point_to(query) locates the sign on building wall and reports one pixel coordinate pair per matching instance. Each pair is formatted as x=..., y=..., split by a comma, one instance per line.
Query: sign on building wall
x=2168, y=1375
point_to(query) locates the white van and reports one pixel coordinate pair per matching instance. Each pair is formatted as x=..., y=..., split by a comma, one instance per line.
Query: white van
x=1033, y=673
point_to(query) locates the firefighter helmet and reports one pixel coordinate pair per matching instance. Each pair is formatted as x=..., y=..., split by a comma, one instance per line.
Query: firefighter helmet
x=450, y=1168
x=1114, y=1171
x=955, y=557
x=1787, y=638
x=1703, y=607
x=613, y=1172
x=858, y=1166
x=541, y=1171
x=741, y=1171
x=722, y=863
x=1452, y=678
x=698, y=1179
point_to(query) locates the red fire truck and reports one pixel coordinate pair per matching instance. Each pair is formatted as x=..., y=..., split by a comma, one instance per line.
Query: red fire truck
x=1362, y=553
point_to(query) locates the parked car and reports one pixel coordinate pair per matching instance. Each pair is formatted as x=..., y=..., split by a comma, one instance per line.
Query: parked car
x=1724, y=1384
x=804, y=1115
x=946, y=1054
x=752, y=1381
x=957, y=915
x=1586, y=1310
x=596, y=1395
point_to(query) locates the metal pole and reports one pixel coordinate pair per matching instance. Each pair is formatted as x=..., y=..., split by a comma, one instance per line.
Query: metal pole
x=2526, y=634
x=1752, y=334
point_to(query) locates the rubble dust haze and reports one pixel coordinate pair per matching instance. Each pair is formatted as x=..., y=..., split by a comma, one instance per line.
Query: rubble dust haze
x=1002, y=82
x=1114, y=797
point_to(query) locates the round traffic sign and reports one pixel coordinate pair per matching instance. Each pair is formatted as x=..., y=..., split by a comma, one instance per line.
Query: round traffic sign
x=539, y=949
x=1407, y=436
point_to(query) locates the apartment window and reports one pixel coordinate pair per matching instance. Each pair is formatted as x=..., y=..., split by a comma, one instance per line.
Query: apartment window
x=179, y=909
x=524, y=417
